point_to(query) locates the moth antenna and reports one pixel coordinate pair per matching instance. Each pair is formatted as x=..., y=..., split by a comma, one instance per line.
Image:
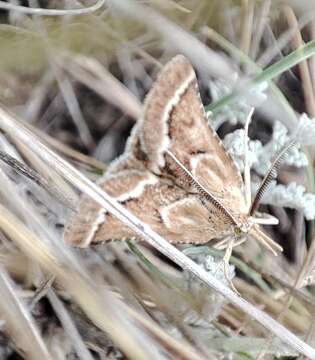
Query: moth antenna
x=271, y=175
x=201, y=190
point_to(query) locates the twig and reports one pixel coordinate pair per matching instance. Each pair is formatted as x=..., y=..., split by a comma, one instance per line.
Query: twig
x=41, y=292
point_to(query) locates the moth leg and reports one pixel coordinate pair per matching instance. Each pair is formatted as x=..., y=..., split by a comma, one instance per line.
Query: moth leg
x=265, y=240
x=226, y=261
x=240, y=241
x=223, y=243
x=266, y=221
x=247, y=179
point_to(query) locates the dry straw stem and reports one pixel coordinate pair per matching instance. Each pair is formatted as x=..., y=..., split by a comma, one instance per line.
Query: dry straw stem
x=52, y=181
x=66, y=150
x=294, y=321
x=51, y=12
x=284, y=39
x=246, y=19
x=50, y=186
x=201, y=56
x=93, y=74
x=125, y=327
x=38, y=95
x=297, y=42
x=14, y=128
x=260, y=23
x=72, y=104
x=69, y=326
x=19, y=325
x=312, y=60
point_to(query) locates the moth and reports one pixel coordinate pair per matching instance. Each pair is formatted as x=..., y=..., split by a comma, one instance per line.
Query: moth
x=176, y=176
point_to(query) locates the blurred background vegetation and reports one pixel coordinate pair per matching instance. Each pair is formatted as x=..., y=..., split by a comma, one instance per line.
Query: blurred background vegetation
x=78, y=82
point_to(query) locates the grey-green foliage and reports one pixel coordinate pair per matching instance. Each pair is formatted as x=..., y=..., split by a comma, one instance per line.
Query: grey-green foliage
x=238, y=111
x=214, y=267
x=260, y=156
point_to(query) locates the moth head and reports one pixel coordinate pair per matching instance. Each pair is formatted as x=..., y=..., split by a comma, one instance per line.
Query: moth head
x=243, y=228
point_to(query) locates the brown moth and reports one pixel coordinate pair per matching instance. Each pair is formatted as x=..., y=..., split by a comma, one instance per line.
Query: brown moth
x=175, y=175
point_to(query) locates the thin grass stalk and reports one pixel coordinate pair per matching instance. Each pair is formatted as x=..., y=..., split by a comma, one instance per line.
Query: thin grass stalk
x=19, y=324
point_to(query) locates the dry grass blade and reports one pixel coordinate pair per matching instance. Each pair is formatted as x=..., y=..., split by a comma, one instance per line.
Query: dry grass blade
x=18, y=322
x=248, y=7
x=33, y=175
x=55, y=183
x=297, y=42
x=73, y=106
x=284, y=39
x=261, y=21
x=66, y=150
x=91, y=73
x=203, y=58
x=67, y=323
x=102, y=307
x=14, y=128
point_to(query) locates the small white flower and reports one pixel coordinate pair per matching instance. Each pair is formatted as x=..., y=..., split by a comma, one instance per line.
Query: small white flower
x=234, y=143
x=305, y=131
x=292, y=196
x=267, y=153
x=236, y=112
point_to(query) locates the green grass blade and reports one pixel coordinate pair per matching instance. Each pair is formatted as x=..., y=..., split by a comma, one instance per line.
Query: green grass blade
x=268, y=74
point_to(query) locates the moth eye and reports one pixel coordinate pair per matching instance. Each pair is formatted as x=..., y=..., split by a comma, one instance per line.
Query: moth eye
x=237, y=231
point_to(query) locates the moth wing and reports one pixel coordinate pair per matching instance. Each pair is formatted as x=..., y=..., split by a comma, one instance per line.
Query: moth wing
x=174, y=119
x=163, y=206
x=195, y=224
x=132, y=158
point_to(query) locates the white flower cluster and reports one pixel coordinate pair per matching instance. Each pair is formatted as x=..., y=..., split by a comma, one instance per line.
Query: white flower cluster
x=238, y=111
x=213, y=266
x=293, y=196
x=260, y=158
